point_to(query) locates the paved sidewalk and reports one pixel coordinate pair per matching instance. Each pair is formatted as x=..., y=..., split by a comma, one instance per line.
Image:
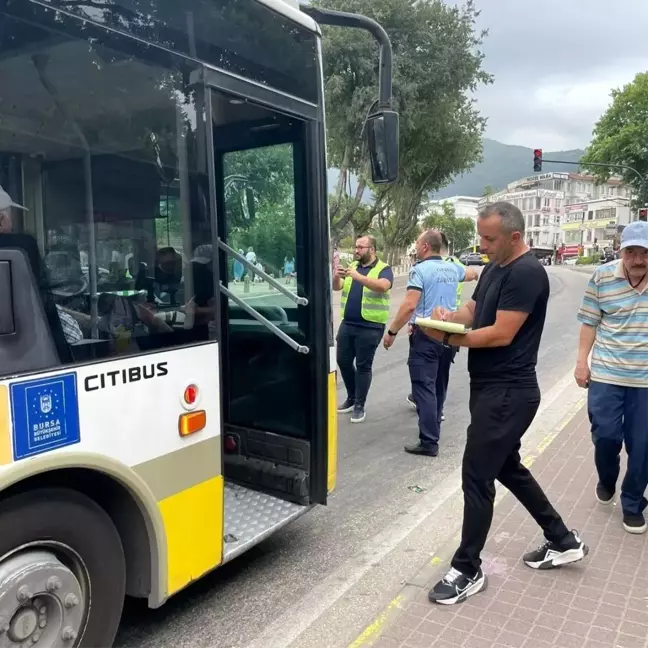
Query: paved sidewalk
x=601, y=602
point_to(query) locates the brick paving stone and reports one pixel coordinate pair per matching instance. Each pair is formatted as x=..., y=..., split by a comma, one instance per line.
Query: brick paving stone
x=601, y=602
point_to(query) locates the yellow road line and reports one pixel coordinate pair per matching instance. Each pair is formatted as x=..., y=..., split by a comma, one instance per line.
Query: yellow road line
x=372, y=632
x=531, y=457
x=375, y=627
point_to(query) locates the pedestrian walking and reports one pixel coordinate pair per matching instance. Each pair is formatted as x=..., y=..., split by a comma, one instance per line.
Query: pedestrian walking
x=432, y=282
x=506, y=315
x=289, y=267
x=449, y=354
x=238, y=268
x=365, y=287
x=251, y=257
x=614, y=318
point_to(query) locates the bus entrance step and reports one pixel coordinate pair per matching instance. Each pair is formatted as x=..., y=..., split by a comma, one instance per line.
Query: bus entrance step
x=251, y=516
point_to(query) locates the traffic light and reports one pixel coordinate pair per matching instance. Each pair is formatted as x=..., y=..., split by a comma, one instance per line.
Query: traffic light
x=537, y=160
x=643, y=214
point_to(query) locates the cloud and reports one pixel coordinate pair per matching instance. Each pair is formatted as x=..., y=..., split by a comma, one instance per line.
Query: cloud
x=555, y=63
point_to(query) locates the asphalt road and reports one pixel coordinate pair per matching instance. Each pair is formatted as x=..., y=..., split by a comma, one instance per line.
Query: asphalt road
x=234, y=605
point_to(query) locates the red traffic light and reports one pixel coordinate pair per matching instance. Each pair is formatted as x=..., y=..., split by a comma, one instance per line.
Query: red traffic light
x=537, y=153
x=643, y=214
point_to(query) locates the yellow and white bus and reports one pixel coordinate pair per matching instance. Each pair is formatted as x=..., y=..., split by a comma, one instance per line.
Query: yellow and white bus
x=159, y=413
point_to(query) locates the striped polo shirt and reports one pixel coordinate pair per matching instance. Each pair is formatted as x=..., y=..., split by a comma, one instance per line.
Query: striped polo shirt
x=620, y=314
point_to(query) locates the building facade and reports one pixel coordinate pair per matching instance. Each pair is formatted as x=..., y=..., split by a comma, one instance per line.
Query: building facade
x=465, y=206
x=568, y=210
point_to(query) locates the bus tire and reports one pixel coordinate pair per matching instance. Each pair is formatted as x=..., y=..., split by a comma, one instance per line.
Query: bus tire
x=62, y=557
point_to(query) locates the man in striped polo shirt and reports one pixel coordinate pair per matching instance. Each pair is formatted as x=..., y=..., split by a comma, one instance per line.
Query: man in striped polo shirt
x=614, y=317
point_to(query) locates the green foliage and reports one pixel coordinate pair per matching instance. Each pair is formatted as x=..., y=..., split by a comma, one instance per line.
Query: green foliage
x=260, y=203
x=588, y=260
x=437, y=64
x=621, y=136
x=459, y=231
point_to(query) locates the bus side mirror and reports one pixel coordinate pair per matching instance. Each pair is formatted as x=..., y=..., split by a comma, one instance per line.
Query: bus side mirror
x=382, y=139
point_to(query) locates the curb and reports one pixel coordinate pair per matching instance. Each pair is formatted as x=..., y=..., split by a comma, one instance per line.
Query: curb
x=583, y=269
x=429, y=570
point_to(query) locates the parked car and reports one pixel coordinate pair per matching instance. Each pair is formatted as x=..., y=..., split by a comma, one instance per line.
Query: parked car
x=475, y=258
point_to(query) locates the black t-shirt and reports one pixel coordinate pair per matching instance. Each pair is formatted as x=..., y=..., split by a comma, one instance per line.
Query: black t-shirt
x=522, y=286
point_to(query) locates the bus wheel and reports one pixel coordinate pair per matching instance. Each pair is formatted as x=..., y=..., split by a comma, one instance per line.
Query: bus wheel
x=62, y=571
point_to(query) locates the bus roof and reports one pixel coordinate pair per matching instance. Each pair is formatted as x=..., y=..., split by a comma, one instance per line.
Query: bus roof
x=290, y=9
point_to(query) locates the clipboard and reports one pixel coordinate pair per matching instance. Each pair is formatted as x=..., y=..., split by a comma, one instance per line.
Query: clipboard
x=439, y=325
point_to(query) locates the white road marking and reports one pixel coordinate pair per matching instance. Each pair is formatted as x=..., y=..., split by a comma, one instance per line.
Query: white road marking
x=556, y=403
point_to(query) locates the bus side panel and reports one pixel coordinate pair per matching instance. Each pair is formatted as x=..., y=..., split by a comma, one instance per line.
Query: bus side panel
x=193, y=520
x=332, y=432
x=5, y=427
x=129, y=410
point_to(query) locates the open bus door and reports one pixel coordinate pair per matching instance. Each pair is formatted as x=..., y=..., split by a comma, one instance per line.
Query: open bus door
x=273, y=310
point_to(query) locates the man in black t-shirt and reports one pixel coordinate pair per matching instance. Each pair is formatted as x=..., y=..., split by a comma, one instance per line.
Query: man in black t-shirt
x=507, y=315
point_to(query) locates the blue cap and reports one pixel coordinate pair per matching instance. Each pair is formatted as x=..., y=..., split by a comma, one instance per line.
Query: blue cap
x=635, y=235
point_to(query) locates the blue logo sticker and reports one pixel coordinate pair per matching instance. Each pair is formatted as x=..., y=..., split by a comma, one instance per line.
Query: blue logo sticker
x=45, y=415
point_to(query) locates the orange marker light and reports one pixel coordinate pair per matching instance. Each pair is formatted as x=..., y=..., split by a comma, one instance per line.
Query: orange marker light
x=192, y=422
x=191, y=394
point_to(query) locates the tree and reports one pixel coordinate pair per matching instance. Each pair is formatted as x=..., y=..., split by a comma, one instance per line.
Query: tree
x=488, y=191
x=438, y=63
x=260, y=204
x=620, y=137
x=459, y=231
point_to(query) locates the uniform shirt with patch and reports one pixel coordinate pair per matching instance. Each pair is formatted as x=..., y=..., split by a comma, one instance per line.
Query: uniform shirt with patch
x=620, y=314
x=353, y=308
x=521, y=286
x=437, y=280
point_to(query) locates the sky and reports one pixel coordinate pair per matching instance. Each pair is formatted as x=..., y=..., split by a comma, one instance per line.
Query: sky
x=554, y=63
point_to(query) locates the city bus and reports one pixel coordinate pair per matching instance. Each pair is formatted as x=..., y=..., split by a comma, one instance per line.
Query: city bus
x=158, y=417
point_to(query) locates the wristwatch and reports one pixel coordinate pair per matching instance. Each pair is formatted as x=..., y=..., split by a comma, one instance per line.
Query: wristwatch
x=390, y=332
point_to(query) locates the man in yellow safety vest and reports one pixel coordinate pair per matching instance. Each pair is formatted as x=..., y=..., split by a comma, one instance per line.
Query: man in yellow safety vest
x=365, y=287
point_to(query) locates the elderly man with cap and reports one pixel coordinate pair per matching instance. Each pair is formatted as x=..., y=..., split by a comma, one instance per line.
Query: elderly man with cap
x=7, y=205
x=614, y=318
x=70, y=326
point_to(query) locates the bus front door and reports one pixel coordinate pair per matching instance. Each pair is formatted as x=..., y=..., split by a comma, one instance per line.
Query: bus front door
x=274, y=349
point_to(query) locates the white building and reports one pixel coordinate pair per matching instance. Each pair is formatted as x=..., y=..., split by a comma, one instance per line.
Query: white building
x=465, y=207
x=550, y=203
x=593, y=224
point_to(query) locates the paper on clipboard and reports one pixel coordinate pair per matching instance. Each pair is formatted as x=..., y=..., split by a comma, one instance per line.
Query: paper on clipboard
x=439, y=325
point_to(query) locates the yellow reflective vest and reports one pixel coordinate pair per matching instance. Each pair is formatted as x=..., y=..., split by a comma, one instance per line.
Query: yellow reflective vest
x=374, y=305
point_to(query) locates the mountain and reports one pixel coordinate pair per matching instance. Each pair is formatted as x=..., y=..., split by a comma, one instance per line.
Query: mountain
x=504, y=163
x=501, y=164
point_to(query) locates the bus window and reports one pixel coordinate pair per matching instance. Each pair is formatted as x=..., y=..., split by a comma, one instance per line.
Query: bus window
x=267, y=379
x=246, y=38
x=105, y=150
